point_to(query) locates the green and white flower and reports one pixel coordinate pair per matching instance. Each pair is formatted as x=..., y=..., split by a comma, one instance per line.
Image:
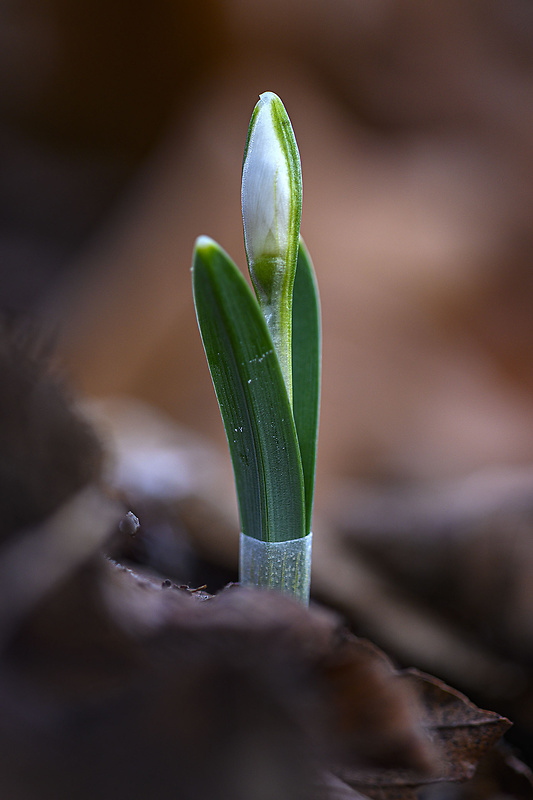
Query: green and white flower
x=271, y=211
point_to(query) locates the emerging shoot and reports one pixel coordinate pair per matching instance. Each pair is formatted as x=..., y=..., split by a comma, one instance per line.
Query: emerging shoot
x=264, y=356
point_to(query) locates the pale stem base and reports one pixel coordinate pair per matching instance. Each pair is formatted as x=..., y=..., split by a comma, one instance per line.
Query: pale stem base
x=284, y=566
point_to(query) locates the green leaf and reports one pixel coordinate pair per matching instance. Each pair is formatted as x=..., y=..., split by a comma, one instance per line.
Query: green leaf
x=306, y=359
x=252, y=397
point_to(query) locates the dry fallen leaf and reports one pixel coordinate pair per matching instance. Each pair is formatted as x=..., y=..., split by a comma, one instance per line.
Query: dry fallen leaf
x=463, y=731
x=460, y=733
x=149, y=687
x=119, y=684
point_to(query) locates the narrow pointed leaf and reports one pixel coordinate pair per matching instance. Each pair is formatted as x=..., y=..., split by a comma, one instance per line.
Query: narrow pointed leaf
x=306, y=352
x=252, y=397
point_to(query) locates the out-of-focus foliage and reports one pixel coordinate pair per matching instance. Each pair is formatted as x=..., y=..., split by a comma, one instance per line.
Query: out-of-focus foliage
x=417, y=133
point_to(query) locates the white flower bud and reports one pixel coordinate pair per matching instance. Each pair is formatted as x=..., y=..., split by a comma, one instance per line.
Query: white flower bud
x=271, y=197
x=271, y=213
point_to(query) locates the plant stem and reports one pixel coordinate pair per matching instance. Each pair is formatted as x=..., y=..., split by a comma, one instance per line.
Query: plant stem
x=284, y=566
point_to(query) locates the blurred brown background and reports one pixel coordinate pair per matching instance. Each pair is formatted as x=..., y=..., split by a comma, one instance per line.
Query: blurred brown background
x=122, y=129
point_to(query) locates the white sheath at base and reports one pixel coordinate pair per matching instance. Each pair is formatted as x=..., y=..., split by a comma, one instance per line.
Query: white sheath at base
x=285, y=566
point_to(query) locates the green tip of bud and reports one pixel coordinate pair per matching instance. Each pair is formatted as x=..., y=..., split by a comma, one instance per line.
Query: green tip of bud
x=266, y=96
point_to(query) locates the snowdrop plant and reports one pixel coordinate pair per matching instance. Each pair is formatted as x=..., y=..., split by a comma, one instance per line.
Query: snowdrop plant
x=263, y=353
